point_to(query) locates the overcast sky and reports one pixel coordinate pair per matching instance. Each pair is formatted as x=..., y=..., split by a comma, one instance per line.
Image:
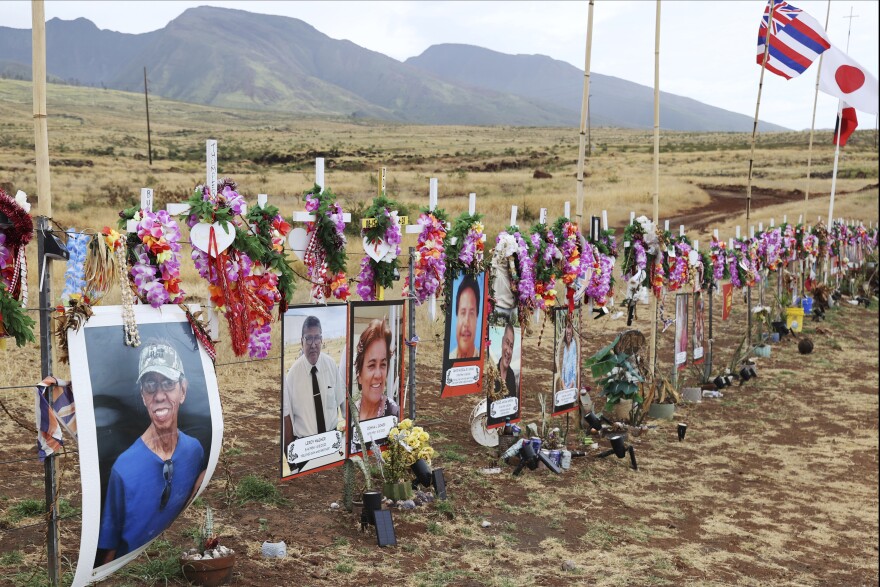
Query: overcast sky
x=707, y=48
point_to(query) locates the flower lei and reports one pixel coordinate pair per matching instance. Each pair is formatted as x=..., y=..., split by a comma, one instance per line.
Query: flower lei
x=789, y=243
x=465, y=252
x=234, y=278
x=820, y=231
x=545, y=256
x=430, y=261
x=326, y=257
x=679, y=266
x=811, y=247
x=14, y=320
x=75, y=271
x=513, y=253
x=718, y=256
x=153, y=256
x=569, y=244
x=381, y=273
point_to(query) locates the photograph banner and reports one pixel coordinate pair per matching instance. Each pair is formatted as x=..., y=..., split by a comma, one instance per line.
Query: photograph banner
x=503, y=393
x=727, y=300
x=313, y=388
x=466, y=324
x=699, y=325
x=149, y=427
x=375, y=370
x=681, y=330
x=567, y=372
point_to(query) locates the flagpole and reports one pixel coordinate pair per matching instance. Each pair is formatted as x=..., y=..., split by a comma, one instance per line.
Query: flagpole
x=837, y=133
x=585, y=109
x=813, y=125
x=752, y=155
x=652, y=350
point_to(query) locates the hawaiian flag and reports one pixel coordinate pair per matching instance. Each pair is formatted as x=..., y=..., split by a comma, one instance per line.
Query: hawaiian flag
x=55, y=411
x=796, y=39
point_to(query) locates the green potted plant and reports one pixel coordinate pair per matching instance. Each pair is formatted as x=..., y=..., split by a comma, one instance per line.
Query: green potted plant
x=618, y=378
x=209, y=563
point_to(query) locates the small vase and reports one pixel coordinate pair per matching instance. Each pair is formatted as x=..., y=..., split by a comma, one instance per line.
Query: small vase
x=762, y=350
x=661, y=411
x=209, y=572
x=398, y=491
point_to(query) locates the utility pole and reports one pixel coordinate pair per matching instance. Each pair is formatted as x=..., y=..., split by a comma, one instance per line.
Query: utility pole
x=147, y=101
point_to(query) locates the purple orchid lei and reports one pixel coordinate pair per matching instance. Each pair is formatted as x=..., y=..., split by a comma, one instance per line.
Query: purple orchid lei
x=718, y=253
x=600, y=281
x=679, y=269
x=156, y=274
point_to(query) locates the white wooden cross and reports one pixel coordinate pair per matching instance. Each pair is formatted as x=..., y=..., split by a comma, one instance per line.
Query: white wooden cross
x=417, y=228
x=370, y=222
x=146, y=205
x=299, y=237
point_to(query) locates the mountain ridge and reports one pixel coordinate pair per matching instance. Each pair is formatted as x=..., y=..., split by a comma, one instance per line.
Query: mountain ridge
x=238, y=59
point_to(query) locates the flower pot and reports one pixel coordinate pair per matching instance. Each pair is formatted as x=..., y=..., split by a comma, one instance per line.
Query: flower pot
x=762, y=350
x=397, y=491
x=661, y=411
x=620, y=411
x=774, y=338
x=794, y=318
x=208, y=572
x=807, y=305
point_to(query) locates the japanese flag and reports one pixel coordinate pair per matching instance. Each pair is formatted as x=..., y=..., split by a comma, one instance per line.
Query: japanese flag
x=844, y=78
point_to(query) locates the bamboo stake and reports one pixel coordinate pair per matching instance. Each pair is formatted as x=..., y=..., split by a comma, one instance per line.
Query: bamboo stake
x=652, y=349
x=752, y=154
x=813, y=124
x=585, y=106
x=41, y=130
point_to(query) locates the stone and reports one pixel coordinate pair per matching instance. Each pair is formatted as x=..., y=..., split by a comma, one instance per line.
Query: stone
x=569, y=566
x=407, y=505
x=485, y=523
x=334, y=506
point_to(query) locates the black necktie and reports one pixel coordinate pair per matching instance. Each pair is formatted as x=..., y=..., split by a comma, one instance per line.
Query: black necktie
x=319, y=406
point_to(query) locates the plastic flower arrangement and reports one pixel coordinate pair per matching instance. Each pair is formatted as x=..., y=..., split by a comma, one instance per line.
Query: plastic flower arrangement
x=430, y=262
x=406, y=444
x=810, y=247
x=153, y=256
x=381, y=229
x=789, y=243
x=326, y=257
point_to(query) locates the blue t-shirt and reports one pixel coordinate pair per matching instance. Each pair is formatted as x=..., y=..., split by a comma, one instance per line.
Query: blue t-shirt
x=132, y=516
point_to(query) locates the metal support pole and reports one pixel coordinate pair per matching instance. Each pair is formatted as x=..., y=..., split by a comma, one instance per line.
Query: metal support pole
x=749, y=313
x=412, y=334
x=708, y=370
x=44, y=266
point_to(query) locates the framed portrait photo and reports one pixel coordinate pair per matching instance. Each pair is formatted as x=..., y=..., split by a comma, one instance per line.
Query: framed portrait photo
x=464, y=348
x=313, y=388
x=150, y=427
x=375, y=371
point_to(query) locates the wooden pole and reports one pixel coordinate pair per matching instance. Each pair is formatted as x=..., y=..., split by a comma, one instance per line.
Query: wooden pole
x=752, y=154
x=585, y=105
x=652, y=348
x=147, y=101
x=41, y=130
x=813, y=124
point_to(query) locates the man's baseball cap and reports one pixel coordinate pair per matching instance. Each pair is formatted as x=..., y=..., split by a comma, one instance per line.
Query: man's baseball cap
x=162, y=359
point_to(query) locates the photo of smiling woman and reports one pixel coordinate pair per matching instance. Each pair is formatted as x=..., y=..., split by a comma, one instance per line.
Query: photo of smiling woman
x=376, y=369
x=464, y=342
x=149, y=428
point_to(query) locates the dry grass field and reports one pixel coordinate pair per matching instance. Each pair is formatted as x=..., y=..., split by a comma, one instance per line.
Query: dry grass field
x=775, y=483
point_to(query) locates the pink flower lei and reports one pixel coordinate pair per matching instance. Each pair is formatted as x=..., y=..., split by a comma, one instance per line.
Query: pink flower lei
x=430, y=265
x=599, y=284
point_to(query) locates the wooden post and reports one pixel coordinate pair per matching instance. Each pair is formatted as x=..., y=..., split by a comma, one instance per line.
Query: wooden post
x=319, y=172
x=41, y=129
x=585, y=105
x=813, y=123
